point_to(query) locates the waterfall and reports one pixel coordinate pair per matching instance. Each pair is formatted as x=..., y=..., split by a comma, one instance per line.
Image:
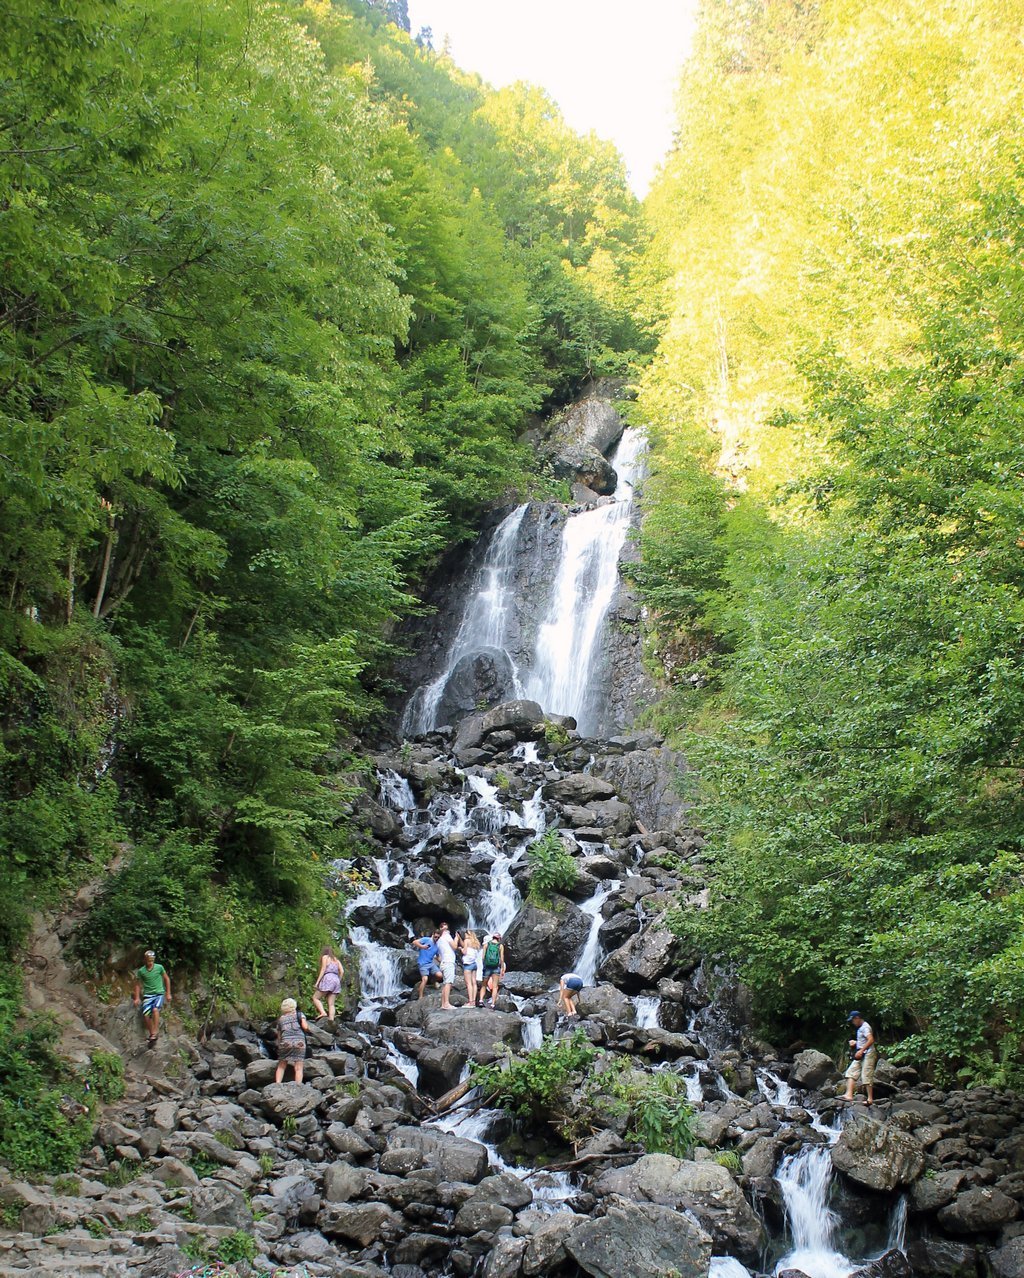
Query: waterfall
x=586, y=964
x=647, y=1009
x=775, y=1090
x=483, y=627
x=533, y=1033
x=804, y=1179
x=588, y=572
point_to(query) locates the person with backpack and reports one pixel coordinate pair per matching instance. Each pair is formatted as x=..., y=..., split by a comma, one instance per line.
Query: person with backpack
x=493, y=968
x=291, y=1040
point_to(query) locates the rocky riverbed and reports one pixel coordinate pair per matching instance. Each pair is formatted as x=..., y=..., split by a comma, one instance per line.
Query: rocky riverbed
x=366, y=1169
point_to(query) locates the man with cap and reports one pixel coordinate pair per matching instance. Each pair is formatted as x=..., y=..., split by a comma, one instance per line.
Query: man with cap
x=864, y=1059
x=152, y=988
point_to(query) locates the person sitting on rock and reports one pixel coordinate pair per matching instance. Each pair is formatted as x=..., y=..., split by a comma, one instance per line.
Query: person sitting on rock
x=865, y=1057
x=152, y=990
x=568, y=990
x=470, y=955
x=493, y=968
x=426, y=947
x=446, y=947
x=328, y=981
x=291, y=1040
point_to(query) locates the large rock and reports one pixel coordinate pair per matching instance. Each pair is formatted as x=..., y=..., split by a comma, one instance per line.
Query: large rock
x=606, y=1003
x=524, y=718
x=486, y=677
x=289, y=1100
x=546, y=940
x=456, y=1158
x=578, y=787
x=478, y=1033
x=877, y=1155
x=545, y=1251
x=419, y=899
x=648, y=779
x=640, y=1240
x=812, y=1070
x=612, y=816
x=707, y=1189
x=979, y=1210
x=638, y=965
x=220, y=1204
x=1008, y=1260
x=362, y=1223
x=891, y=1264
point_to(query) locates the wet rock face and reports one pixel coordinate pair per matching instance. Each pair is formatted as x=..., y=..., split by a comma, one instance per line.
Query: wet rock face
x=547, y=940
x=878, y=1155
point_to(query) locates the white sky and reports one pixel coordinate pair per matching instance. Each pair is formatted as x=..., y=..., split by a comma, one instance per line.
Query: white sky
x=611, y=66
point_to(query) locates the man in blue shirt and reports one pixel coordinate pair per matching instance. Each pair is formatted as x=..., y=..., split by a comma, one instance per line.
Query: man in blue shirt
x=426, y=957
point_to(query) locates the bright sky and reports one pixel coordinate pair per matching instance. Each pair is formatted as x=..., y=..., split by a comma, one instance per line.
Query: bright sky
x=611, y=67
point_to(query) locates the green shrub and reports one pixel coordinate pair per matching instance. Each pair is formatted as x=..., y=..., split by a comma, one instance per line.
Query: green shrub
x=729, y=1159
x=237, y=1246
x=67, y=1186
x=163, y=899
x=537, y=1085
x=44, y=1119
x=661, y=1118
x=106, y=1076
x=552, y=869
x=123, y=1173
x=203, y=1166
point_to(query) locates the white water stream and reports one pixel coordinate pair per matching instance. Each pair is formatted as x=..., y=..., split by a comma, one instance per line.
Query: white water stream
x=586, y=964
x=588, y=572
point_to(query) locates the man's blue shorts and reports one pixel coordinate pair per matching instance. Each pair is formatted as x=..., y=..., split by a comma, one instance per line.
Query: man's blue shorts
x=152, y=1003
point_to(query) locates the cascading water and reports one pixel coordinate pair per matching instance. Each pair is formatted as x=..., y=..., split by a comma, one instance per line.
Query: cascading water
x=483, y=627
x=568, y=648
x=804, y=1179
x=647, y=1010
x=586, y=964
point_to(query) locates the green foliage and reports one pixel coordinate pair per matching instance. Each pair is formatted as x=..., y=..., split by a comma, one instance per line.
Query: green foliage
x=44, y=1118
x=552, y=868
x=264, y=355
x=836, y=522
x=661, y=1118
x=122, y=1172
x=236, y=1247
x=67, y=1186
x=106, y=1076
x=96, y=1227
x=536, y=1086
x=142, y=1222
x=266, y=1161
x=730, y=1160
x=203, y=1165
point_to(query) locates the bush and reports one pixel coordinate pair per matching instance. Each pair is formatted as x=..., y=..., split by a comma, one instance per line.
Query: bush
x=106, y=1076
x=537, y=1085
x=162, y=899
x=661, y=1118
x=44, y=1117
x=552, y=869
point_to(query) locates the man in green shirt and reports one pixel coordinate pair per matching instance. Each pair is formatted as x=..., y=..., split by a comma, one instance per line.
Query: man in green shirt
x=152, y=987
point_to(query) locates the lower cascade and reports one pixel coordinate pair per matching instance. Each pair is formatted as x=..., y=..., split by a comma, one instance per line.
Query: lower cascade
x=393, y=1156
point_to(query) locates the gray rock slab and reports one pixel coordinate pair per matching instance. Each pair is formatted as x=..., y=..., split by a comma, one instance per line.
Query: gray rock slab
x=640, y=1240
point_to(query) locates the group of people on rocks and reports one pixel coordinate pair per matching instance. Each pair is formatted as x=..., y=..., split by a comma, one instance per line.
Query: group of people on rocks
x=483, y=968
x=483, y=964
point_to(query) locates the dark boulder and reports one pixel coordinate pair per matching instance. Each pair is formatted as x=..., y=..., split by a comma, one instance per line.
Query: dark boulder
x=546, y=940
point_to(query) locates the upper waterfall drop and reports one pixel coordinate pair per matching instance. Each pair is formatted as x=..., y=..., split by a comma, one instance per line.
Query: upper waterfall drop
x=533, y=620
x=568, y=648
